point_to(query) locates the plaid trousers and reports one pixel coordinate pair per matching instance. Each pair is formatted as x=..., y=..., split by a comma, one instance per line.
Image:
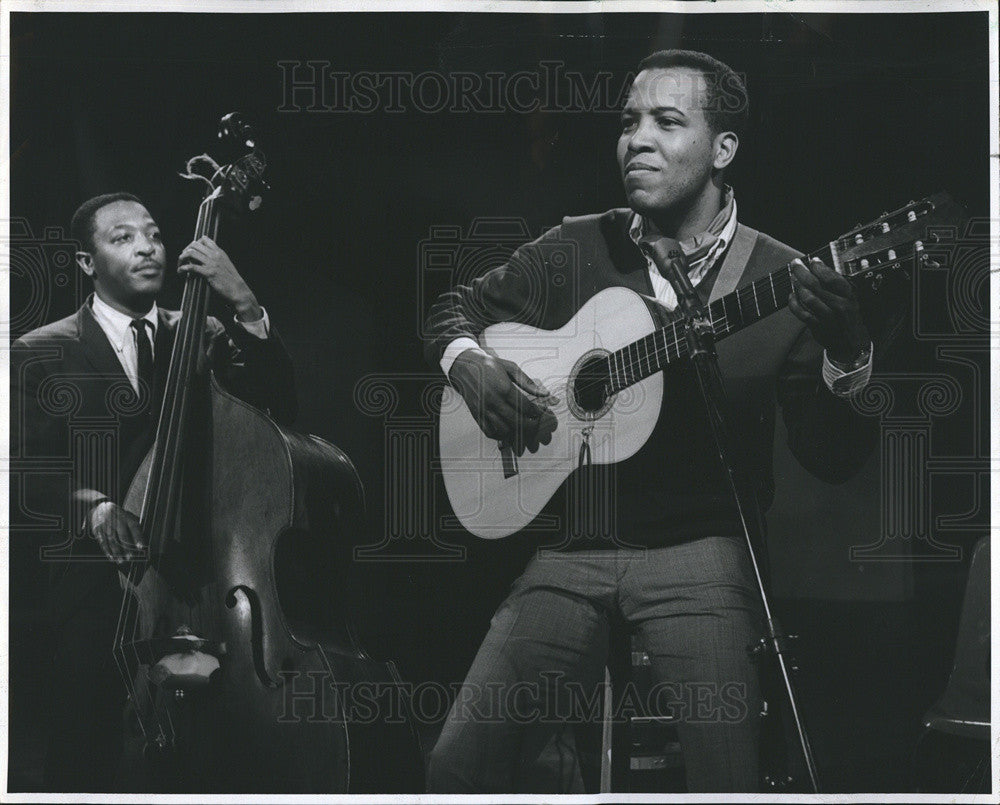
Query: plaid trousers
x=697, y=611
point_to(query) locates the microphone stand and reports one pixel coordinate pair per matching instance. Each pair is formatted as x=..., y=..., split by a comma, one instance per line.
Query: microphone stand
x=701, y=347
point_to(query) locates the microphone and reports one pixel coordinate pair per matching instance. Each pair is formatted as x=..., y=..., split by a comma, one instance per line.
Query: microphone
x=672, y=265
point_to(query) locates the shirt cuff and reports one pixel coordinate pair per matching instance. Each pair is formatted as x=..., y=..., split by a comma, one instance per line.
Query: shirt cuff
x=456, y=348
x=845, y=384
x=260, y=328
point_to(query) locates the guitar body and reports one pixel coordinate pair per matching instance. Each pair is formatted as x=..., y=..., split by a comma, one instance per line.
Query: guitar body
x=257, y=569
x=492, y=503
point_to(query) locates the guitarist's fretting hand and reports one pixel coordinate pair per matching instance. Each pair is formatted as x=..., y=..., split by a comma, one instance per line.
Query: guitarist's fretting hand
x=826, y=302
x=492, y=388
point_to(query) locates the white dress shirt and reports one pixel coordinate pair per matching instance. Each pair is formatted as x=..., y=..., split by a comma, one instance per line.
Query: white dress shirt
x=117, y=327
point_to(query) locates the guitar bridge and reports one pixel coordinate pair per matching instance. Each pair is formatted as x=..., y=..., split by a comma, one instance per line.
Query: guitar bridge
x=508, y=460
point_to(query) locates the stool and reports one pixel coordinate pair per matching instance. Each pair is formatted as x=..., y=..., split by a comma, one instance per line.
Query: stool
x=640, y=751
x=953, y=752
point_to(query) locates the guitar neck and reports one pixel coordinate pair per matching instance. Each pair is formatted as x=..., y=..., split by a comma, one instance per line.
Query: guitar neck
x=728, y=314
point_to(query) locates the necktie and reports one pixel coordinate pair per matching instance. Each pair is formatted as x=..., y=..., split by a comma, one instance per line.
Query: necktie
x=144, y=351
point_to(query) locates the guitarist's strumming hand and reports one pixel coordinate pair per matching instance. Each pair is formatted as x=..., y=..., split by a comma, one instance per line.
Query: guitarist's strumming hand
x=492, y=388
x=826, y=302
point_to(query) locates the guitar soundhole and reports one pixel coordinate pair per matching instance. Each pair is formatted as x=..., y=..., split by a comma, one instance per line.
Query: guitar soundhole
x=590, y=385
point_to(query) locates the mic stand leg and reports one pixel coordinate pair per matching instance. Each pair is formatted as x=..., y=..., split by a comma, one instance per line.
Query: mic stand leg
x=701, y=347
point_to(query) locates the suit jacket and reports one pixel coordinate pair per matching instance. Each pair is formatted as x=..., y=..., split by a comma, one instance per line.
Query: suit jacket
x=79, y=431
x=675, y=488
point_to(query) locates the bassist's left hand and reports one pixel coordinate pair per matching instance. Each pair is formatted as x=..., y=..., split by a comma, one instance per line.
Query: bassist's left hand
x=203, y=256
x=826, y=302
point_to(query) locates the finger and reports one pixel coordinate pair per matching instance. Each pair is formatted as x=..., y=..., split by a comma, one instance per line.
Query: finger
x=196, y=247
x=800, y=312
x=505, y=433
x=803, y=277
x=524, y=382
x=497, y=428
x=196, y=268
x=503, y=408
x=210, y=248
x=541, y=432
x=109, y=545
x=825, y=284
x=814, y=304
x=120, y=537
x=190, y=258
x=829, y=278
x=547, y=426
x=523, y=406
x=134, y=531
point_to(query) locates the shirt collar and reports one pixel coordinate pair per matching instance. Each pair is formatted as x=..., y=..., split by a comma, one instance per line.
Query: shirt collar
x=117, y=325
x=637, y=225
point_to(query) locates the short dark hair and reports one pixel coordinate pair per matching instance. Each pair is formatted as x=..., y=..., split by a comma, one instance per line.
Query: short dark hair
x=726, y=99
x=81, y=225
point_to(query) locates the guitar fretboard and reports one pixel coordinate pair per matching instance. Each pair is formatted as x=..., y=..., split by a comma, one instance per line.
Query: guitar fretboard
x=728, y=314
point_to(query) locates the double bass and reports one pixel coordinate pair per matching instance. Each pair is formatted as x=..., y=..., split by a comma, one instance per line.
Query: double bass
x=234, y=641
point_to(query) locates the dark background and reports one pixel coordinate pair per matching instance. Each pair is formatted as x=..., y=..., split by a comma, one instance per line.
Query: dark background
x=850, y=116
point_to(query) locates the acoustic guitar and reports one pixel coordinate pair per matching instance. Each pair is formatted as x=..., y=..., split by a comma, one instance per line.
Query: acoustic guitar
x=603, y=369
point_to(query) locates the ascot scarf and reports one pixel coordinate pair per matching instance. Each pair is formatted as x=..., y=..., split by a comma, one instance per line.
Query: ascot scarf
x=701, y=250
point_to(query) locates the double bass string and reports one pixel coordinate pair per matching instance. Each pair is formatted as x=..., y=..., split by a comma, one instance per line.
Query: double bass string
x=193, y=307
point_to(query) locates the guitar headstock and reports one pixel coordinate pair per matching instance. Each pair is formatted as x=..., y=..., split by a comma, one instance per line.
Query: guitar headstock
x=896, y=238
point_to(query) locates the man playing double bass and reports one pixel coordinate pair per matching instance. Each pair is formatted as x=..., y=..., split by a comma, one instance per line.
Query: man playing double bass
x=107, y=363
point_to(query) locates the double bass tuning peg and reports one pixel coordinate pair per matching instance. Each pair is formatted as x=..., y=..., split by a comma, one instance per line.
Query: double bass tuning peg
x=233, y=128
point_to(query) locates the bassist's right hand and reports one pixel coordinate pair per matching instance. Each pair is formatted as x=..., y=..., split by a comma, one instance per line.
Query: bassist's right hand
x=116, y=530
x=492, y=388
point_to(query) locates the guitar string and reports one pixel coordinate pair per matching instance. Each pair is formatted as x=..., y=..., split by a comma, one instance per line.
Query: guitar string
x=780, y=280
x=625, y=366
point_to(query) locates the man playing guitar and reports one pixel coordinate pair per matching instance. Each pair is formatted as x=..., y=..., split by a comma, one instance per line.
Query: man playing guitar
x=672, y=562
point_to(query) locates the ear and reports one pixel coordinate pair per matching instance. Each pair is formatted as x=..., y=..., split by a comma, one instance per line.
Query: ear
x=86, y=262
x=725, y=146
